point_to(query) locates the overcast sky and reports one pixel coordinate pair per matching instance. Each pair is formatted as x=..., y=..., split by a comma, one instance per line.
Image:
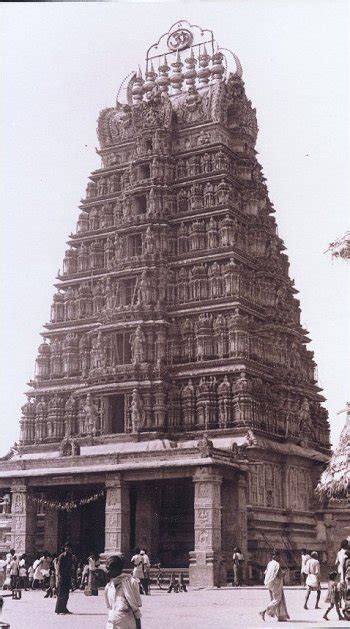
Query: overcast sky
x=63, y=62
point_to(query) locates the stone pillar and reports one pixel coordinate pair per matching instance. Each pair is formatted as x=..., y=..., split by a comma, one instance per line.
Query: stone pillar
x=23, y=520
x=206, y=564
x=117, y=527
x=51, y=530
x=242, y=521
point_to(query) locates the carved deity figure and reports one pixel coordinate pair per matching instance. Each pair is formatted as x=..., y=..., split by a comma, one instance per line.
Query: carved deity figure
x=149, y=241
x=212, y=234
x=91, y=415
x=206, y=163
x=136, y=408
x=144, y=290
x=304, y=416
x=181, y=169
x=101, y=186
x=97, y=352
x=69, y=413
x=138, y=346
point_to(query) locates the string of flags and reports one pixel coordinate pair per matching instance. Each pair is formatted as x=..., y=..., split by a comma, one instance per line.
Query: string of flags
x=67, y=505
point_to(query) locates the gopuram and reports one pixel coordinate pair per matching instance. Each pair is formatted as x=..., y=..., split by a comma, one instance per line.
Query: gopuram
x=174, y=404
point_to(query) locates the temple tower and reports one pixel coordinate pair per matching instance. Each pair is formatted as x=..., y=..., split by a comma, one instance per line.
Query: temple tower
x=175, y=315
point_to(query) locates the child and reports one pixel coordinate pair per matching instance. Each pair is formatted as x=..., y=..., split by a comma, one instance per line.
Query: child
x=333, y=595
x=51, y=590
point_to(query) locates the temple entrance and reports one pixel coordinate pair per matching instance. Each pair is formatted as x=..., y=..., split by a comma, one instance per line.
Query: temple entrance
x=162, y=520
x=84, y=527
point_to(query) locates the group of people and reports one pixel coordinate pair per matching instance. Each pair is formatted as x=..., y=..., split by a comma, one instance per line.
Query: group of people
x=311, y=579
x=44, y=572
x=16, y=573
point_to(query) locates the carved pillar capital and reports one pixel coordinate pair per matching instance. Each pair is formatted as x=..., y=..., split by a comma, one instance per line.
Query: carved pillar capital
x=113, y=479
x=207, y=473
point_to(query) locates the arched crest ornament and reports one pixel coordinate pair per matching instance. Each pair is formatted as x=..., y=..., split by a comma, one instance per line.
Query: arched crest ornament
x=180, y=37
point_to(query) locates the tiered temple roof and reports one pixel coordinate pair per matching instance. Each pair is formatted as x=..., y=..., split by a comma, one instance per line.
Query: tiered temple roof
x=174, y=310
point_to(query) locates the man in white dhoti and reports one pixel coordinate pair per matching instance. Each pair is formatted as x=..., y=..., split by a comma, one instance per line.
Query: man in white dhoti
x=122, y=597
x=274, y=582
x=313, y=579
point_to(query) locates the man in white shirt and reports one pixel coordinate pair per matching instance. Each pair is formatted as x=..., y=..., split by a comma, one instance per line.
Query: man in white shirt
x=304, y=559
x=313, y=579
x=146, y=571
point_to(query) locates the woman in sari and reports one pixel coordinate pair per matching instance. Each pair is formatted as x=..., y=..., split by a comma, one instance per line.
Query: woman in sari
x=274, y=582
x=93, y=563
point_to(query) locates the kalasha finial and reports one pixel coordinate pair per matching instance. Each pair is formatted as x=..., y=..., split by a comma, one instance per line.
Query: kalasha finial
x=190, y=74
x=137, y=88
x=163, y=80
x=203, y=71
x=149, y=83
x=217, y=69
x=177, y=76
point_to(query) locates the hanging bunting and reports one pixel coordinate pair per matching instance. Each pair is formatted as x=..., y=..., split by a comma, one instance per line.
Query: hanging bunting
x=67, y=505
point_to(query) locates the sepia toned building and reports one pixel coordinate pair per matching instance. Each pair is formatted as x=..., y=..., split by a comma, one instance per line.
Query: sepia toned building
x=175, y=400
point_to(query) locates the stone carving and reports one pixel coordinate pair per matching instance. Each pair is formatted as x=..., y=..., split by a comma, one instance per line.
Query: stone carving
x=90, y=410
x=176, y=241
x=138, y=346
x=205, y=446
x=69, y=447
x=137, y=411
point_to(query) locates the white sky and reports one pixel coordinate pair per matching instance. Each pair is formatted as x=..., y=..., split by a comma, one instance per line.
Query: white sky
x=63, y=62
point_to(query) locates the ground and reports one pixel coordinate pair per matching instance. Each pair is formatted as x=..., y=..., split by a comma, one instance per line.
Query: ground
x=196, y=609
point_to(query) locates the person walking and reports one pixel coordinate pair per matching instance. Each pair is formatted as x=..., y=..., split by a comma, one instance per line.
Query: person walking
x=238, y=561
x=22, y=573
x=137, y=562
x=313, y=579
x=122, y=597
x=334, y=596
x=146, y=571
x=305, y=556
x=64, y=579
x=274, y=582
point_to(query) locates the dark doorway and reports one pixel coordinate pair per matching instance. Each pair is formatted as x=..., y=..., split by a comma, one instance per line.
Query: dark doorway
x=92, y=518
x=162, y=520
x=176, y=526
x=114, y=414
x=84, y=526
